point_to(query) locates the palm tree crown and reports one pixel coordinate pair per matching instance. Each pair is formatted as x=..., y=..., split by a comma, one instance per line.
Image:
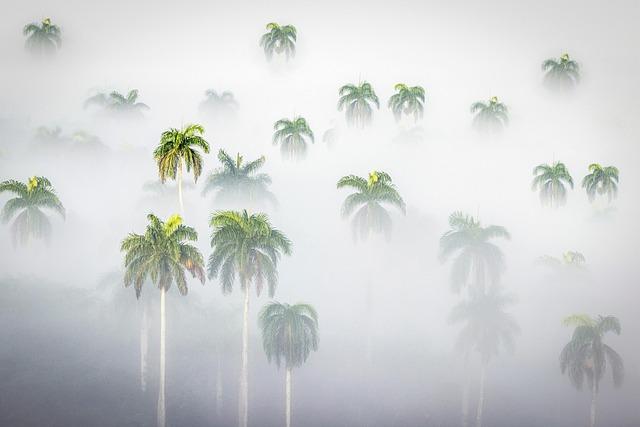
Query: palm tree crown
x=289, y=332
x=219, y=102
x=478, y=258
x=550, y=180
x=601, y=181
x=248, y=247
x=356, y=100
x=490, y=116
x=162, y=254
x=178, y=147
x=279, y=39
x=563, y=73
x=293, y=136
x=237, y=180
x=407, y=100
x=369, y=199
x=570, y=259
x=43, y=38
x=117, y=102
x=31, y=197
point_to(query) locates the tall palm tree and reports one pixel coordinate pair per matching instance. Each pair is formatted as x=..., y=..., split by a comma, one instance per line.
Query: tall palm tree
x=293, y=137
x=178, y=150
x=587, y=356
x=492, y=116
x=116, y=102
x=407, y=100
x=44, y=38
x=561, y=74
x=279, y=39
x=478, y=258
x=487, y=329
x=369, y=199
x=219, y=103
x=31, y=198
x=237, y=181
x=356, y=100
x=550, y=180
x=163, y=255
x=601, y=181
x=248, y=248
x=289, y=334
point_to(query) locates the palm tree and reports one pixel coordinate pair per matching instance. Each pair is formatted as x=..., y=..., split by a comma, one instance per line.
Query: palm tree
x=178, y=149
x=586, y=355
x=601, y=181
x=369, y=199
x=116, y=102
x=551, y=179
x=249, y=248
x=289, y=334
x=490, y=116
x=44, y=38
x=279, y=39
x=561, y=74
x=407, y=100
x=163, y=255
x=293, y=136
x=478, y=258
x=356, y=100
x=487, y=329
x=219, y=103
x=237, y=181
x=31, y=198
x=570, y=260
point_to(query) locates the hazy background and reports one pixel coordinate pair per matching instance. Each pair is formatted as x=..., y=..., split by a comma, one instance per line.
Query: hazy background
x=69, y=349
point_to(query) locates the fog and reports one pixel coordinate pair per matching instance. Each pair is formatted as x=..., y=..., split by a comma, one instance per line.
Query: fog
x=70, y=330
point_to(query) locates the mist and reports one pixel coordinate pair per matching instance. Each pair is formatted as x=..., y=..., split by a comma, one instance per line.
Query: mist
x=388, y=352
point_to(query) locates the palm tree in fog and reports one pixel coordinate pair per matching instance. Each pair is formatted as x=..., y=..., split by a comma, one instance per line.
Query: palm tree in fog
x=477, y=257
x=407, y=100
x=163, y=255
x=356, y=100
x=43, y=38
x=238, y=181
x=570, y=260
x=586, y=356
x=248, y=248
x=601, y=181
x=219, y=103
x=27, y=208
x=551, y=180
x=289, y=334
x=563, y=73
x=492, y=116
x=293, y=137
x=118, y=103
x=487, y=329
x=178, y=150
x=369, y=200
x=279, y=39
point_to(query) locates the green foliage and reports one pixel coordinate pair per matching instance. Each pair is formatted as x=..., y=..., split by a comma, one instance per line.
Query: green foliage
x=178, y=147
x=601, y=181
x=163, y=255
x=43, y=38
x=247, y=247
x=487, y=326
x=570, y=260
x=368, y=203
x=279, y=39
x=356, y=101
x=561, y=74
x=550, y=180
x=237, y=181
x=478, y=258
x=27, y=208
x=292, y=136
x=289, y=332
x=407, y=100
x=118, y=103
x=586, y=356
x=492, y=116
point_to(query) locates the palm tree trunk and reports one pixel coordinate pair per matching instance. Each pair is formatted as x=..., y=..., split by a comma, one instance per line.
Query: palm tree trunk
x=481, y=395
x=180, y=187
x=243, y=403
x=465, y=393
x=594, y=394
x=144, y=347
x=288, y=398
x=219, y=385
x=162, y=422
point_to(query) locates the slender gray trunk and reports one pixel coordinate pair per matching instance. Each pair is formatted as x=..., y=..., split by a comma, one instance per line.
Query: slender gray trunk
x=144, y=346
x=465, y=393
x=483, y=368
x=219, y=384
x=243, y=401
x=288, y=397
x=162, y=422
x=180, y=187
x=594, y=394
